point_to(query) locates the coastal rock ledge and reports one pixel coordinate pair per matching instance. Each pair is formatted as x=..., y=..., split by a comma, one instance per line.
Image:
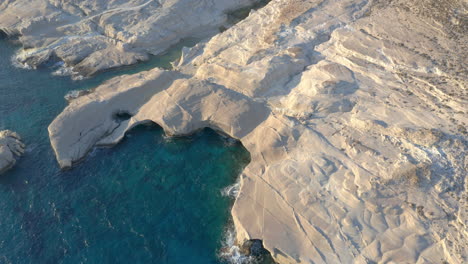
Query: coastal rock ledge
x=354, y=113
x=11, y=148
x=88, y=36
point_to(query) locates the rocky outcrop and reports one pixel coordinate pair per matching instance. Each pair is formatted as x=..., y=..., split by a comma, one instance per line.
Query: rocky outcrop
x=95, y=35
x=352, y=111
x=11, y=148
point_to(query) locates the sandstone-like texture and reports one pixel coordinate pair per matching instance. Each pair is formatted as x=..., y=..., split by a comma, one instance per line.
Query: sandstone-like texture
x=354, y=113
x=94, y=35
x=11, y=148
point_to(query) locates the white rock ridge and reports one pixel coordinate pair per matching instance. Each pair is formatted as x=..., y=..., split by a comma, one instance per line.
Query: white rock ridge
x=11, y=148
x=95, y=35
x=354, y=113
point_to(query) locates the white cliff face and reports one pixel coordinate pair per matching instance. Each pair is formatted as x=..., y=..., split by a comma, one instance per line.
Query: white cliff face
x=91, y=35
x=11, y=148
x=354, y=113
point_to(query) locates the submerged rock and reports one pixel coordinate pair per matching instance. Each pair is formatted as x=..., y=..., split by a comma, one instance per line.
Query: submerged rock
x=11, y=148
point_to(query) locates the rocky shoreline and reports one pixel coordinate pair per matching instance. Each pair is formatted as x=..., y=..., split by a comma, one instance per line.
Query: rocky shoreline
x=123, y=33
x=354, y=113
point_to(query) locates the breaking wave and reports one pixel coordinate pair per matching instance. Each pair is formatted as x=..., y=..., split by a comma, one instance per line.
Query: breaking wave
x=231, y=191
x=231, y=252
x=64, y=70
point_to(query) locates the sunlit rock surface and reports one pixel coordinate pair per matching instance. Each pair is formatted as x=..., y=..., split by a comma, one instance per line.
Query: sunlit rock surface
x=354, y=113
x=95, y=35
x=11, y=148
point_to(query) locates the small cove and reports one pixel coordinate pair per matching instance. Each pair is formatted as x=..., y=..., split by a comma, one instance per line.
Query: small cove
x=149, y=199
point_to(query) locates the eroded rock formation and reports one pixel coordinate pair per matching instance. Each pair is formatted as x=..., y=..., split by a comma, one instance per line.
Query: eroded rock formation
x=95, y=35
x=354, y=113
x=11, y=148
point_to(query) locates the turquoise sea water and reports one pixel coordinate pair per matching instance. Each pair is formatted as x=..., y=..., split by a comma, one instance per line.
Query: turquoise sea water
x=150, y=199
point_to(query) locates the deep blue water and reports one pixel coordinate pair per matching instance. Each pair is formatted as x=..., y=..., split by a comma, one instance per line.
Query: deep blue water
x=149, y=199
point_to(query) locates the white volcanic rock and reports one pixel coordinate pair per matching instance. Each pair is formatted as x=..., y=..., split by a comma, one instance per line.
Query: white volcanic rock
x=11, y=148
x=354, y=113
x=94, y=35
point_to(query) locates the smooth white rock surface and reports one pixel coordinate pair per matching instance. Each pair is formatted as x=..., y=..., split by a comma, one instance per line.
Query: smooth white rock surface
x=354, y=113
x=95, y=35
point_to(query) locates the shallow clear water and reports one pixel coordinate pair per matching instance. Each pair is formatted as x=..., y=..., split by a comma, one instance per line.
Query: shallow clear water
x=147, y=200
